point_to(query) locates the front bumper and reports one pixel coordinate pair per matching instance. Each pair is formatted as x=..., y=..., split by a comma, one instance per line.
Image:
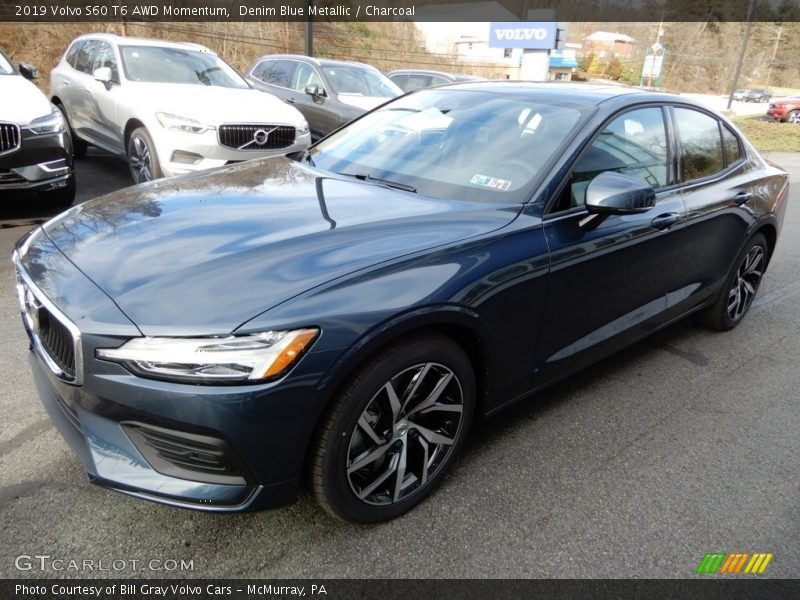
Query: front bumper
x=778, y=113
x=181, y=153
x=258, y=433
x=41, y=163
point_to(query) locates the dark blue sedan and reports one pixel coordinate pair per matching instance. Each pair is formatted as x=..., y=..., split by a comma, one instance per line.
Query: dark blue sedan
x=342, y=317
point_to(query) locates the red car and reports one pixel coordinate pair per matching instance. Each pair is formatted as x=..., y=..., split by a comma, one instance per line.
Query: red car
x=785, y=109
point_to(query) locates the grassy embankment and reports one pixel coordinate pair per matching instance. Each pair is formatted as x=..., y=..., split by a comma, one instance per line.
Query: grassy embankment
x=768, y=136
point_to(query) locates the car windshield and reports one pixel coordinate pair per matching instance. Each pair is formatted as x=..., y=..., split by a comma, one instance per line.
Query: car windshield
x=360, y=81
x=155, y=64
x=6, y=68
x=454, y=144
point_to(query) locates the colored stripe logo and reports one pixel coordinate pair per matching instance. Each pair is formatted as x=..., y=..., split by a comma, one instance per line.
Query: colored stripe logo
x=735, y=563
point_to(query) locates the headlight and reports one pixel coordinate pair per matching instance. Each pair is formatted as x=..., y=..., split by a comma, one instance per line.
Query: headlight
x=183, y=124
x=52, y=123
x=246, y=358
x=303, y=130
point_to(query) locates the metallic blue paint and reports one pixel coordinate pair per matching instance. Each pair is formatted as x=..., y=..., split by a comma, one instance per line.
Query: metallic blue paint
x=276, y=244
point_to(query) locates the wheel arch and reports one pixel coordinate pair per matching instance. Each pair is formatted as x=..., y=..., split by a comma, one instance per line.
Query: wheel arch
x=769, y=231
x=461, y=325
x=130, y=126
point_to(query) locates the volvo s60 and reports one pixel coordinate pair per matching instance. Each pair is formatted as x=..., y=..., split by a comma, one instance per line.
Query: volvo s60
x=341, y=319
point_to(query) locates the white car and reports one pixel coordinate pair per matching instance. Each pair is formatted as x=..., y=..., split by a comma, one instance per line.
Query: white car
x=168, y=108
x=35, y=148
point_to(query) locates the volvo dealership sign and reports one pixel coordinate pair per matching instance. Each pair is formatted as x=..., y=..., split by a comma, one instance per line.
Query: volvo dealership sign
x=517, y=34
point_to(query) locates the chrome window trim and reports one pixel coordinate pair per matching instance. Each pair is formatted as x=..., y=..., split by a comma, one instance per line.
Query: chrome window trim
x=24, y=279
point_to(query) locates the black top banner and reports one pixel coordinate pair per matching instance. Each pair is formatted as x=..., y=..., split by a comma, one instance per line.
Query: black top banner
x=392, y=10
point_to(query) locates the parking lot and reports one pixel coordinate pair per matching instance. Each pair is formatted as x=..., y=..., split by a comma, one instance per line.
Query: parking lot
x=683, y=444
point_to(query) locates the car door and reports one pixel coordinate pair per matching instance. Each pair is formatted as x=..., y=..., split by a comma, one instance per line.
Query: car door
x=313, y=107
x=63, y=82
x=101, y=100
x=608, y=283
x=717, y=184
x=80, y=79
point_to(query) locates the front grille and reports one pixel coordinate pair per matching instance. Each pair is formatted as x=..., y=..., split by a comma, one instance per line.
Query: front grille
x=186, y=455
x=256, y=136
x=9, y=177
x=9, y=137
x=57, y=341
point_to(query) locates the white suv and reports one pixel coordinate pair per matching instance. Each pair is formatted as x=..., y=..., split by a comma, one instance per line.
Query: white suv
x=168, y=108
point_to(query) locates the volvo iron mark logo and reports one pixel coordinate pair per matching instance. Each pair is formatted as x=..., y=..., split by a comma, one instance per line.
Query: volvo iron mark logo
x=261, y=136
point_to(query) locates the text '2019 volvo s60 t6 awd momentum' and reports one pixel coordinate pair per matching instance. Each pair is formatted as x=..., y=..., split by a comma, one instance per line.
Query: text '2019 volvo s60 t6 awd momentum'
x=342, y=318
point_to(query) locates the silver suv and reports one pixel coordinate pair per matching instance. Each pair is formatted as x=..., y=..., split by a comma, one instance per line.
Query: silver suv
x=168, y=108
x=329, y=93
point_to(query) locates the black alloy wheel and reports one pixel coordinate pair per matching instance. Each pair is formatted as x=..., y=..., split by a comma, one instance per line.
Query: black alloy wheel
x=394, y=430
x=142, y=157
x=741, y=286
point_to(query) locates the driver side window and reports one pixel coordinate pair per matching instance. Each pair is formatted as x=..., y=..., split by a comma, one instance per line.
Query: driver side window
x=304, y=76
x=634, y=144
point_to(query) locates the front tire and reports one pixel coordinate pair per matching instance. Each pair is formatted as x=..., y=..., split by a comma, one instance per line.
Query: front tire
x=740, y=287
x=142, y=157
x=793, y=117
x=394, y=430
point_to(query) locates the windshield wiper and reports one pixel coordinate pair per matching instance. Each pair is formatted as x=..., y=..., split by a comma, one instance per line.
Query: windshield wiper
x=384, y=182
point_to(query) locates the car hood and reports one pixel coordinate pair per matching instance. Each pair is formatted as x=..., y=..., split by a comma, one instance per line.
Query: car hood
x=22, y=101
x=214, y=105
x=364, y=103
x=204, y=253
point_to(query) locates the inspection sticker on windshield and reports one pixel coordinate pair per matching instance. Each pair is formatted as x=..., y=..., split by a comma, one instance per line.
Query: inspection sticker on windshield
x=491, y=182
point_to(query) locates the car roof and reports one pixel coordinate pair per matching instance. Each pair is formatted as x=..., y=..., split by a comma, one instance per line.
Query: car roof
x=590, y=93
x=419, y=72
x=312, y=60
x=123, y=40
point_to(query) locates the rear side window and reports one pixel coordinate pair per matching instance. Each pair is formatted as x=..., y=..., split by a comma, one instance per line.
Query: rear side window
x=733, y=150
x=72, y=53
x=702, y=146
x=280, y=73
x=400, y=80
x=85, y=57
x=261, y=69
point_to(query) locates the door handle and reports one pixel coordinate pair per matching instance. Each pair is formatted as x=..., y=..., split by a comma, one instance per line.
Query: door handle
x=290, y=101
x=742, y=197
x=666, y=220
x=65, y=81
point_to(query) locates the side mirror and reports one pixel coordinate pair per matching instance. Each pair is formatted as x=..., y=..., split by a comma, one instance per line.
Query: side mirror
x=29, y=72
x=103, y=74
x=615, y=194
x=314, y=91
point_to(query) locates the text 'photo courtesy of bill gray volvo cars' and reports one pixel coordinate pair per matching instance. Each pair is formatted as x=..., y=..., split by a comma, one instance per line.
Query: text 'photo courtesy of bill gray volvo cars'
x=35, y=148
x=168, y=108
x=339, y=320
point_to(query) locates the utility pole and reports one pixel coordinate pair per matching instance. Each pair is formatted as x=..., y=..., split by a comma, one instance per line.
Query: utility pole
x=774, y=53
x=310, y=30
x=750, y=10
